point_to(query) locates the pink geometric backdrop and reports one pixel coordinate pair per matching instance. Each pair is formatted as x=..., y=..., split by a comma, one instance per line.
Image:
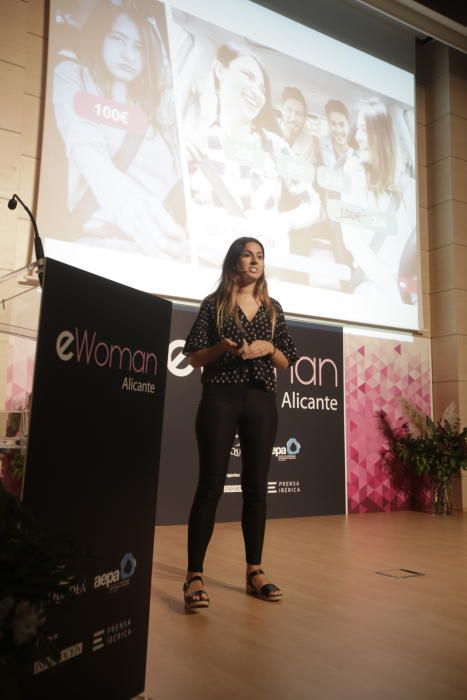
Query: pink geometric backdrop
x=377, y=372
x=19, y=376
x=19, y=373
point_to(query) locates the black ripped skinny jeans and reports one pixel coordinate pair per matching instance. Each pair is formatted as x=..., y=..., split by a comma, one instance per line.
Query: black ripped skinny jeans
x=224, y=410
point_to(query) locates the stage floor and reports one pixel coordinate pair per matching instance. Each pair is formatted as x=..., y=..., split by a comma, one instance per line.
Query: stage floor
x=341, y=632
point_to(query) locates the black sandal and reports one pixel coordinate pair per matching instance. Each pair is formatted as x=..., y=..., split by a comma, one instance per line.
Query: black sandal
x=191, y=604
x=265, y=592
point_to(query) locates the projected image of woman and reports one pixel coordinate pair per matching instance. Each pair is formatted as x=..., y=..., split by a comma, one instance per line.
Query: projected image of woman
x=378, y=185
x=113, y=108
x=240, y=338
x=237, y=175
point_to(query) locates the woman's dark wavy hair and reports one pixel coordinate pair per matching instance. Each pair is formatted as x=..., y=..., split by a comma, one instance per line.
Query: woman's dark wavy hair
x=226, y=294
x=145, y=91
x=225, y=54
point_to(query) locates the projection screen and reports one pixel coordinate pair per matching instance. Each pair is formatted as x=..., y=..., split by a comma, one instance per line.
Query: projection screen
x=173, y=128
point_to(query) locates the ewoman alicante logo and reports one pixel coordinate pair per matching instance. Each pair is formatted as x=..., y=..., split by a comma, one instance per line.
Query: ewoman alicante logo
x=84, y=347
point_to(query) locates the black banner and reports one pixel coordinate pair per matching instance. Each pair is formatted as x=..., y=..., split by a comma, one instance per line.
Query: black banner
x=92, y=471
x=307, y=475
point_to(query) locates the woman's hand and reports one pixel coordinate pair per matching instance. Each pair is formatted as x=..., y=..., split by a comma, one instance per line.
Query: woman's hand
x=137, y=213
x=231, y=347
x=263, y=348
x=194, y=150
x=258, y=348
x=203, y=357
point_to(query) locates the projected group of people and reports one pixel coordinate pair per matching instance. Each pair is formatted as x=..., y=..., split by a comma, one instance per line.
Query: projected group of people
x=335, y=210
x=176, y=161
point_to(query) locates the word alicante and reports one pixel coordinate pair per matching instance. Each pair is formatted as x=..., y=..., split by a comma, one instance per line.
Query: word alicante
x=131, y=384
x=314, y=403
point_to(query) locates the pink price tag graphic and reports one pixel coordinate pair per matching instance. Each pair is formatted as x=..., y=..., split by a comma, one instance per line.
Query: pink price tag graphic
x=103, y=111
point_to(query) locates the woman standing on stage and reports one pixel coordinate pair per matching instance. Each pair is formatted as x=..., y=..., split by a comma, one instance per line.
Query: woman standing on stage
x=240, y=338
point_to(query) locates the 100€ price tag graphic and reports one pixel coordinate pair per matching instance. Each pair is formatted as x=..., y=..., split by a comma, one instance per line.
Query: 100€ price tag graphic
x=103, y=111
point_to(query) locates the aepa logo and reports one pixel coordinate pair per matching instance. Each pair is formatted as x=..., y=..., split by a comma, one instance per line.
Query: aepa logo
x=288, y=451
x=119, y=577
x=293, y=446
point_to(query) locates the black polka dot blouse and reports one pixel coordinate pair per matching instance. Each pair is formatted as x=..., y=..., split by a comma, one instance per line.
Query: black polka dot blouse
x=230, y=369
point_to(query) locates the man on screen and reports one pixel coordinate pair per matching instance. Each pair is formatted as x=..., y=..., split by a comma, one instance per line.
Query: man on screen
x=334, y=151
x=292, y=124
x=334, y=147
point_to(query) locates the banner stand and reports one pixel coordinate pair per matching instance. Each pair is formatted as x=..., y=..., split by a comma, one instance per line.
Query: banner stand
x=92, y=472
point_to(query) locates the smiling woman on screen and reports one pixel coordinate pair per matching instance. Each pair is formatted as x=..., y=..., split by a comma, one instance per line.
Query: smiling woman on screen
x=241, y=165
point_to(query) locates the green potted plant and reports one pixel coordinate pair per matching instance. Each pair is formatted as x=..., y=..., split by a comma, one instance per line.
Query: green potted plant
x=35, y=573
x=436, y=450
x=13, y=437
